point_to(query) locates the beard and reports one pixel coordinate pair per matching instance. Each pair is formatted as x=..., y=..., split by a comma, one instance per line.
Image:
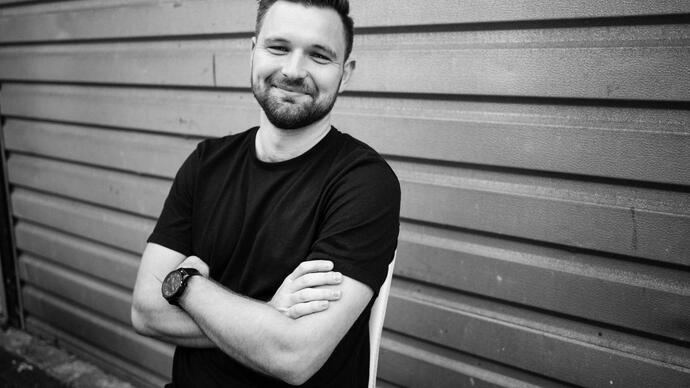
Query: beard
x=289, y=112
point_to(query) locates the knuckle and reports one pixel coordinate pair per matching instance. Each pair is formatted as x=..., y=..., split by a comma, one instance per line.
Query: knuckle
x=300, y=282
x=300, y=297
x=314, y=294
x=314, y=278
x=312, y=306
x=297, y=311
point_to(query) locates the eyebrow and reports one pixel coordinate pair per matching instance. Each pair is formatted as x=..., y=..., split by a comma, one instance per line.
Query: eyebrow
x=320, y=47
x=331, y=53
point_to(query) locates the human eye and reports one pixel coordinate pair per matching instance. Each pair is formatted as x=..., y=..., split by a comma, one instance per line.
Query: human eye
x=277, y=49
x=320, y=58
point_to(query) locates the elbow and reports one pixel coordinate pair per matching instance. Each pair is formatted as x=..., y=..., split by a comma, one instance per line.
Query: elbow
x=138, y=319
x=297, y=379
x=297, y=367
x=141, y=314
x=297, y=376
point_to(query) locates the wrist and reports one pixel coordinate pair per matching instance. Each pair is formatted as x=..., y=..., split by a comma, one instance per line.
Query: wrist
x=176, y=282
x=192, y=285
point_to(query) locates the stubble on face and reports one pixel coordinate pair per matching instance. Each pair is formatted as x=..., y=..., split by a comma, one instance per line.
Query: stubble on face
x=288, y=111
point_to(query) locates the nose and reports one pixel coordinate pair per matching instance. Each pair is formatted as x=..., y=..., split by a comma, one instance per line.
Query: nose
x=293, y=66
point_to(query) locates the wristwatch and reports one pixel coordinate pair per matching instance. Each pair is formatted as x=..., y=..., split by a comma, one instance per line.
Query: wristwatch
x=175, y=283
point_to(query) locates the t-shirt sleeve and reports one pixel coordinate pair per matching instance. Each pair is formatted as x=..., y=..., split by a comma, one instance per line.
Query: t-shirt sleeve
x=174, y=227
x=359, y=232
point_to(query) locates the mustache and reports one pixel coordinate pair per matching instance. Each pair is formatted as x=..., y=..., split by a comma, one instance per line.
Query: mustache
x=293, y=85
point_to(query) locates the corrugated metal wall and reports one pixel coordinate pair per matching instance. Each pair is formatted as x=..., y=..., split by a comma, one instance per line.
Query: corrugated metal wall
x=543, y=149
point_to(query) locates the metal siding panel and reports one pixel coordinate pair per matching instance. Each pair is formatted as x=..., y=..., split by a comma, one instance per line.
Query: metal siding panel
x=410, y=363
x=639, y=296
x=196, y=113
x=644, y=73
x=639, y=63
x=573, y=352
x=113, y=228
x=184, y=63
x=99, y=331
x=124, y=191
x=626, y=143
x=100, y=261
x=101, y=297
x=98, y=19
x=128, y=371
x=631, y=221
x=136, y=152
x=126, y=19
x=415, y=13
x=640, y=144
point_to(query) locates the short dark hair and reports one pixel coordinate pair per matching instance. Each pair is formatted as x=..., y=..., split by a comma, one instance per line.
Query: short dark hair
x=342, y=7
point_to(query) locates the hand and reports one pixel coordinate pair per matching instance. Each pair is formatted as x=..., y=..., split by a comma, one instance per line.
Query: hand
x=197, y=263
x=301, y=292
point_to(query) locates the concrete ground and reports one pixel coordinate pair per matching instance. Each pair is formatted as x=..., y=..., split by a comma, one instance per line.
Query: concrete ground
x=27, y=361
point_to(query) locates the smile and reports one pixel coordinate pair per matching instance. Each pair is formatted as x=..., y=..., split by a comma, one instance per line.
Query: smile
x=289, y=91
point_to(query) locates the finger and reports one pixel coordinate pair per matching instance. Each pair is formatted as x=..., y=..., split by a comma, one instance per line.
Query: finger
x=192, y=261
x=310, y=266
x=317, y=279
x=314, y=294
x=302, y=309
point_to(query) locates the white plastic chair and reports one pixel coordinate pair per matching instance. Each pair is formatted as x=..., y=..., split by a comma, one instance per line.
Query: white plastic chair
x=378, y=313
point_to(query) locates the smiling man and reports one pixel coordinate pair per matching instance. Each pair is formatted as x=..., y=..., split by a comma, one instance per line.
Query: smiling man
x=274, y=242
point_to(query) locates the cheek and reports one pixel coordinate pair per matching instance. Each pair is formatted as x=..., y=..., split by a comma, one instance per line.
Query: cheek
x=263, y=67
x=327, y=79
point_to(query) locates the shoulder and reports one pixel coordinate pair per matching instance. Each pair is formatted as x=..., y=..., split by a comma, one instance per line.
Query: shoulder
x=360, y=181
x=357, y=159
x=210, y=154
x=221, y=146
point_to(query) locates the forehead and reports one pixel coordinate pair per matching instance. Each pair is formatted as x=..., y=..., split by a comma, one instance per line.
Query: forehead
x=308, y=26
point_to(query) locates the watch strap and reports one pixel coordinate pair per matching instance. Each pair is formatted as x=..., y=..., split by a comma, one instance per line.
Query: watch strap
x=185, y=274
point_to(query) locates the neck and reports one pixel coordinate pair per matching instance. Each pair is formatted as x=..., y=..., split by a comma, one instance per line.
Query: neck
x=275, y=144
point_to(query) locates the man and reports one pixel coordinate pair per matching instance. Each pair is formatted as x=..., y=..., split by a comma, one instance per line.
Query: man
x=245, y=210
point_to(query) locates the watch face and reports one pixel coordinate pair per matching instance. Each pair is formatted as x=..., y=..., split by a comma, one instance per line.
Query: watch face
x=171, y=284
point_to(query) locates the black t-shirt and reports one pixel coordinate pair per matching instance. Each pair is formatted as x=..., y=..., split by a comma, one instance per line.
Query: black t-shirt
x=253, y=222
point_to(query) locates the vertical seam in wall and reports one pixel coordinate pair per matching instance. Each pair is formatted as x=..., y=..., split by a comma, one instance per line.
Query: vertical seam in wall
x=634, y=231
x=8, y=251
x=214, y=69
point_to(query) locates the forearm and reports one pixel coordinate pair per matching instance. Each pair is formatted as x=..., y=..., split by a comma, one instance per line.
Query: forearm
x=251, y=332
x=152, y=316
x=174, y=327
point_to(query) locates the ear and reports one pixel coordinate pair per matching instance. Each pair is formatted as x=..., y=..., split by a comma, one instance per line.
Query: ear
x=348, y=70
x=251, y=53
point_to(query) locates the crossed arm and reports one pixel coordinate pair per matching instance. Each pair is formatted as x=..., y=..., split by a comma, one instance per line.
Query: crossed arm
x=281, y=338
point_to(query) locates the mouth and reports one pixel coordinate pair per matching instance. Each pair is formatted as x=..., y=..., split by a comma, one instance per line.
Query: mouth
x=288, y=90
x=288, y=94
x=288, y=87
